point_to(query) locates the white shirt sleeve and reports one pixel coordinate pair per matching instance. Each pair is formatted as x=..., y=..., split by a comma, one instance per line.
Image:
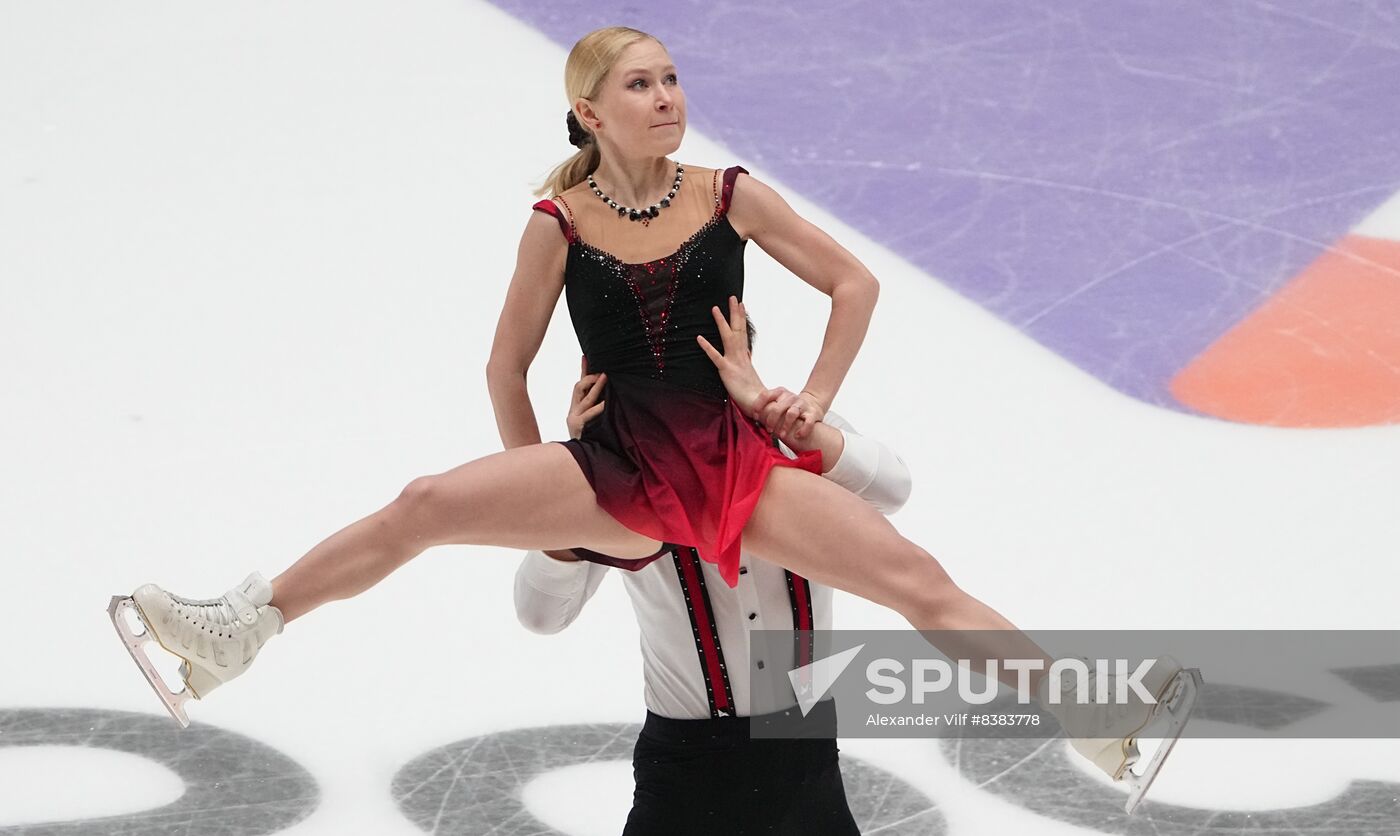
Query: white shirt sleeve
x=869, y=469
x=549, y=593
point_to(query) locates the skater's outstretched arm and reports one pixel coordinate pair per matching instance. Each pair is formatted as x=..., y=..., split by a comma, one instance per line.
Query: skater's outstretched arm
x=534, y=291
x=760, y=214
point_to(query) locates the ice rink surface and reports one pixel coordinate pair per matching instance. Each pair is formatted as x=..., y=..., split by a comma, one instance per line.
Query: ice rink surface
x=251, y=261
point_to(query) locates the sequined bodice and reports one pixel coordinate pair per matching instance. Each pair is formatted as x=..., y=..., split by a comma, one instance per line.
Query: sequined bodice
x=642, y=318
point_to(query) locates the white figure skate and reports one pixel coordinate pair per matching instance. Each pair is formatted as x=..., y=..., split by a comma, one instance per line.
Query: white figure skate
x=217, y=639
x=1107, y=733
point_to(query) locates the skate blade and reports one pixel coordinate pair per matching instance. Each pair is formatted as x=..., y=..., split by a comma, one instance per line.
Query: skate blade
x=1176, y=713
x=135, y=645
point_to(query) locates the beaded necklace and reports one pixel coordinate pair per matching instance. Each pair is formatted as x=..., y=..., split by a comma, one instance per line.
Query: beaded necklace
x=643, y=215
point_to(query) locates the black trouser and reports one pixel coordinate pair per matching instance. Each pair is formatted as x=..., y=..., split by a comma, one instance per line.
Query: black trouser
x=711, y=778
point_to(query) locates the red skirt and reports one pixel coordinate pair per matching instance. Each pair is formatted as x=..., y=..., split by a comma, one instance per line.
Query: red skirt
x=679, y=466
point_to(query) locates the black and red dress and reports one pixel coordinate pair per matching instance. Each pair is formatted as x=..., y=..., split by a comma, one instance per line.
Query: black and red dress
x=670, y=456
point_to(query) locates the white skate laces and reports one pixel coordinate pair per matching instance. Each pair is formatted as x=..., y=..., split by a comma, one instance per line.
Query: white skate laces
x=238, y=608
x=216, y=638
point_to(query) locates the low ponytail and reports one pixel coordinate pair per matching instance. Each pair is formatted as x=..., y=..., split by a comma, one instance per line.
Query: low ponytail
x=571, y=172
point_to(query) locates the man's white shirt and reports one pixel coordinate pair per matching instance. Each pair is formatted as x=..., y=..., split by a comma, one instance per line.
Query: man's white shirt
x=694, y=628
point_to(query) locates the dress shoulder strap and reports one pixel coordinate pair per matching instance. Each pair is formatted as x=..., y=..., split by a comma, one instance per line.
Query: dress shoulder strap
x=730, y=175
x=549, y=207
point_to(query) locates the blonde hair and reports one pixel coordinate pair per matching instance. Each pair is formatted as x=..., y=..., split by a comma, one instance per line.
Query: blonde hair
x=589, y=62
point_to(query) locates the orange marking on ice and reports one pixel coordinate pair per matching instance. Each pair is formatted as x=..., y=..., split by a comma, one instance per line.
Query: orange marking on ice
x=1322, y=352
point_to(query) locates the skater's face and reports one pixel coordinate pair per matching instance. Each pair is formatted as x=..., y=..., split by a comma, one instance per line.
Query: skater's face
x=640, y=110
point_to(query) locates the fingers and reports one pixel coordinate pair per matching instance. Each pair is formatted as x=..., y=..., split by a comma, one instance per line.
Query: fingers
x=734, y=337
x=726, y=334
x=812, y=413
x=719, y=319
x=766, y=400
x=782, y=412
x=586, y=391
x=715, y=356
x=736, y=316
x=789, y=417
x=578, y=417
x=594, y=390
x=588, y=386
x=583, y=365
x=803, y=427
x=774, y=412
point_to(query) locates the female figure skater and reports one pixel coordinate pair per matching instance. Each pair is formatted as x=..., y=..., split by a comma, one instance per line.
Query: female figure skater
x=672, y=460
x=697, y=766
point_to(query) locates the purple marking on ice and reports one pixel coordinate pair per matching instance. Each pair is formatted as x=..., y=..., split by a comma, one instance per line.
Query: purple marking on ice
x=1123, y=180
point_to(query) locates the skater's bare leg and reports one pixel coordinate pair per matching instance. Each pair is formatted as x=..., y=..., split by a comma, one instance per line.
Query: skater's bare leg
x=815, y=528
x=824, y=532
x=532, y=497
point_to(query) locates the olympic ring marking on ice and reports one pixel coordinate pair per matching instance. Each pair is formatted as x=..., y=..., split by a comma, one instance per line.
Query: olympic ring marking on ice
x=221, y=770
